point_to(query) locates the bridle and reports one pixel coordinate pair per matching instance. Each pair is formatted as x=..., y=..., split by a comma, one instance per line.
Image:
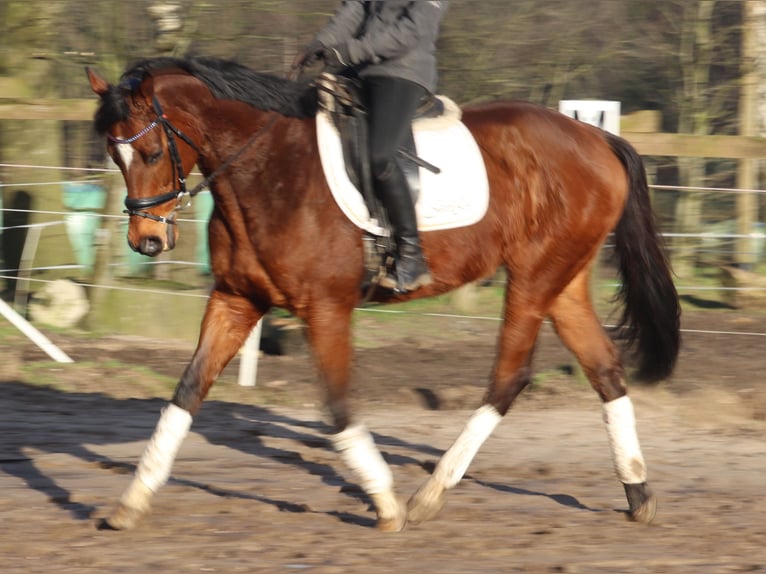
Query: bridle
x=138, y=206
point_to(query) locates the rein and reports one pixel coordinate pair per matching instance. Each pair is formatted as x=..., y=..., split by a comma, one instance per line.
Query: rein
x=138, y=206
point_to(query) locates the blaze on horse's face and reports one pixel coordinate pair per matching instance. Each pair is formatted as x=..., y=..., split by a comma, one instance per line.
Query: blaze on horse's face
x=140, y=149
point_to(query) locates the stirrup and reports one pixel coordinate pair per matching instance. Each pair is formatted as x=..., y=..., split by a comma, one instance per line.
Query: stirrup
x=388, y=281
x=422, y=280
x=391, y=281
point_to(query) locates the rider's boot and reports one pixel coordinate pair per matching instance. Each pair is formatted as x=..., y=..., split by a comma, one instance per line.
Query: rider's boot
x=410, y=269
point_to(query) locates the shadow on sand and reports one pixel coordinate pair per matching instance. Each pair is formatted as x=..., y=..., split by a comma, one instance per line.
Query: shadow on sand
x=50, y=421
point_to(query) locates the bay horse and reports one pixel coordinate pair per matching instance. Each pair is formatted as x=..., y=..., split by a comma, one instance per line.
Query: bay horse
x=558, y=188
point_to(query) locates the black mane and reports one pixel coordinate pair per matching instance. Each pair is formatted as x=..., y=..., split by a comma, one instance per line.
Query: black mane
x=225, y=79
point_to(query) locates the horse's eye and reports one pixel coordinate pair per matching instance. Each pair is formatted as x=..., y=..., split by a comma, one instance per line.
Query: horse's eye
x=153, y=158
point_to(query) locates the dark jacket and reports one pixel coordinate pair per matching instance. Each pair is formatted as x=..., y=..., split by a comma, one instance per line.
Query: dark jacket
x=395, y=38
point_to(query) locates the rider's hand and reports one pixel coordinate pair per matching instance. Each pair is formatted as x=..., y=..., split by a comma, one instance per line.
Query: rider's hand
x=308, y=55
x=336, y=57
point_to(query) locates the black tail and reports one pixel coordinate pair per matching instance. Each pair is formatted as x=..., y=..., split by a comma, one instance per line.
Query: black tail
x=651, y=319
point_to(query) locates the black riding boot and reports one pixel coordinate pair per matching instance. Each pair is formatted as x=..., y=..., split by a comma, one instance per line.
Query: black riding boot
x=410, y=268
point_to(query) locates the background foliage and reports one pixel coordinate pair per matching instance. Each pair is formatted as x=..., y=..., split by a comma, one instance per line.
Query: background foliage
x=539, y=50
x=683, y=58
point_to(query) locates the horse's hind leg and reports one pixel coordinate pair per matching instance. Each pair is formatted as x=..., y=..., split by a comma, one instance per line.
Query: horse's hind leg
x=329, y=330
x=512, y=373
x=228, y=321
x=579, y=328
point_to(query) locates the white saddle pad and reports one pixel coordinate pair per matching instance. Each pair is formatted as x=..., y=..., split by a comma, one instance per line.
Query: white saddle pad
x=456, y=197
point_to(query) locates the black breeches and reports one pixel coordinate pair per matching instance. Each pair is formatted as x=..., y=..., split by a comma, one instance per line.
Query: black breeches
x=391, y=103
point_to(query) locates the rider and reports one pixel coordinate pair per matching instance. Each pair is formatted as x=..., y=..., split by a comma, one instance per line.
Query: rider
x=390, y=45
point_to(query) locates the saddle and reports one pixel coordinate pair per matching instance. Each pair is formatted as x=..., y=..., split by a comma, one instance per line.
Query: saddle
x=342, y=98
x=454, y=194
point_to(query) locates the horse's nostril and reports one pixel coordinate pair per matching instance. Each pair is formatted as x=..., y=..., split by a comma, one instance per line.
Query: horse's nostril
x=150, y=246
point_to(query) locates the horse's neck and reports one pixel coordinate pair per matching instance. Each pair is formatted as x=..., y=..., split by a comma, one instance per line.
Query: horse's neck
x=241, y=131
x=231, y=145
x=254, y=176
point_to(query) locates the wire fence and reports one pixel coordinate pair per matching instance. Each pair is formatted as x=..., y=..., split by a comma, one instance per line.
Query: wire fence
x=719, y=245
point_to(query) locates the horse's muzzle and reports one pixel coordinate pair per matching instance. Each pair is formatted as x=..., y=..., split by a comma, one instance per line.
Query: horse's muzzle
x=150, y=246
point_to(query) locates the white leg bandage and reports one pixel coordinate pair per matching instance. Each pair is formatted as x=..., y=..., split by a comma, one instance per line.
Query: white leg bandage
x=172, y=428
x=455, y=461
x=621, y=428
x=359, y=453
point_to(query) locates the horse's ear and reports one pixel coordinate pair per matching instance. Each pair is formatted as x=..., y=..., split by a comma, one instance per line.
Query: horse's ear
x=146, y=87
x=142, y=92
x=97, y=83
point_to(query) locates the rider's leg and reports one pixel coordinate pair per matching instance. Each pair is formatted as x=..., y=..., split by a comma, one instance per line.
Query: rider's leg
x=392, y=103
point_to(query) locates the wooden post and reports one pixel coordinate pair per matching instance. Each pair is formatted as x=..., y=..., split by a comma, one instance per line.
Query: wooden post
x=106, y=238
x=747, y=171
x=24, y=271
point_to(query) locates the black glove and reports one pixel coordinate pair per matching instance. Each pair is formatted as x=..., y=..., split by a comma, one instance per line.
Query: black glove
x=308, y=55
x=336, y=57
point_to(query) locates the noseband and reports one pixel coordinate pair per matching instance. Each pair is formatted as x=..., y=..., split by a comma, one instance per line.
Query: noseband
x=139, y=206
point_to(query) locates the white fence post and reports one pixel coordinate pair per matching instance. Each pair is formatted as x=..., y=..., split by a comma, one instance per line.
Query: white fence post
x=248, y=362
x=33, y=334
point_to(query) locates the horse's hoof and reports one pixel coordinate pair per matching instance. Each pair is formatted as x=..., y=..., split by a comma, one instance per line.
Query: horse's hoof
x=426, y=503
x=123, y=518
x=393, y=524
x=642, y=502
x=392, y=514
x=644, y=514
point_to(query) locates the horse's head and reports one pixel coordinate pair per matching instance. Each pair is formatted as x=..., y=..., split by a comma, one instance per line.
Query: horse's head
x=154, y=149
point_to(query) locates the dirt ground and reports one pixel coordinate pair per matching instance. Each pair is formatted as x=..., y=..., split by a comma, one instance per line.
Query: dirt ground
x=257, y=489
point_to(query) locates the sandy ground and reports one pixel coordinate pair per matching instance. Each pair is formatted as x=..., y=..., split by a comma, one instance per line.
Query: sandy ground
x=257, y=489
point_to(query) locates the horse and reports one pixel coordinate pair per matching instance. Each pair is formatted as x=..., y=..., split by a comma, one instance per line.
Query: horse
x=558, y=188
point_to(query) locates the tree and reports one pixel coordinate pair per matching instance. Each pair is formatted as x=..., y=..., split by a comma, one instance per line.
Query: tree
x=695, y=61
x=699, y=41
x=28, y=28
x=753, y=85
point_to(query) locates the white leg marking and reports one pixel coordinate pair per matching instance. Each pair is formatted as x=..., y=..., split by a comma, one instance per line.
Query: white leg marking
x=386, y=504
x=626, y=452
x=173, y=426
x=455, y=461
x=137, y=497
x=359, y=453
x=126, y=152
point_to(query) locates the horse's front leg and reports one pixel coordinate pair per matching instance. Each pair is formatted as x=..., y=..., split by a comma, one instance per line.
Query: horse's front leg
x=228, y=321
x=329, y=329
